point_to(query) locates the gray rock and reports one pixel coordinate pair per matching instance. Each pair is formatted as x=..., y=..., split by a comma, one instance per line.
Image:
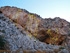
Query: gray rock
x=18, y=40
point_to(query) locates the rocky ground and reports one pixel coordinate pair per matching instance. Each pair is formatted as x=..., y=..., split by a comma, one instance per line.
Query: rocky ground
x=23, y=30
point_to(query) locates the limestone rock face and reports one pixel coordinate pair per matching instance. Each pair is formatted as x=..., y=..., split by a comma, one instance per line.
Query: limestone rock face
x=51, y=31
x=17, y=41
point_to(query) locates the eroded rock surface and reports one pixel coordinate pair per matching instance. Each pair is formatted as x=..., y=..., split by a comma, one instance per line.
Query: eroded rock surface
x=18, y=41
x=51, y=31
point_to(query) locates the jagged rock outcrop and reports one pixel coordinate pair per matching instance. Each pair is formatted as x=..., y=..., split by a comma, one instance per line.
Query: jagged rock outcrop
x=17, y=40
x=27, y=20
x=51, y=31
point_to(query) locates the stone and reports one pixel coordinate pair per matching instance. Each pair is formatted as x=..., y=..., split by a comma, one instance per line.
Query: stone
x=25, y=30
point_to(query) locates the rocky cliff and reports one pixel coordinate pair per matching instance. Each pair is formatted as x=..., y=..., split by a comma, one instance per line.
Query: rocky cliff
x=25, y=30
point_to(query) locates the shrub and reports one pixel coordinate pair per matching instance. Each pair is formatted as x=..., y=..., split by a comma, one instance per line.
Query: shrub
x=61, y=47
x=2, y=42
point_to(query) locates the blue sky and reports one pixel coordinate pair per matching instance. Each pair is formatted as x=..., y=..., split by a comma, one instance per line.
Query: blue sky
x=45, y=8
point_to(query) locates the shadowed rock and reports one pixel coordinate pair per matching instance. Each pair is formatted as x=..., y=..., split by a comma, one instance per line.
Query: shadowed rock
x=0, y=12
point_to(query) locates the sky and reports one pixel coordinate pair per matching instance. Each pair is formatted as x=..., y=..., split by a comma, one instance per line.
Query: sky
x=44, y=8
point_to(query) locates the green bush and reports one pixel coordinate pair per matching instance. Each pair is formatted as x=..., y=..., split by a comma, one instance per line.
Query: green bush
x=61, y=47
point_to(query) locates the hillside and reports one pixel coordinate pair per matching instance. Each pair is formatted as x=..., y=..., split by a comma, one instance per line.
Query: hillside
x=28, y=31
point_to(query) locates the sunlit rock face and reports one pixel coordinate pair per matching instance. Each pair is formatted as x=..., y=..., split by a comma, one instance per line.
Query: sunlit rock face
x=27, y=20
x=50, y=31
x=19, y=42
x=16, y=40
